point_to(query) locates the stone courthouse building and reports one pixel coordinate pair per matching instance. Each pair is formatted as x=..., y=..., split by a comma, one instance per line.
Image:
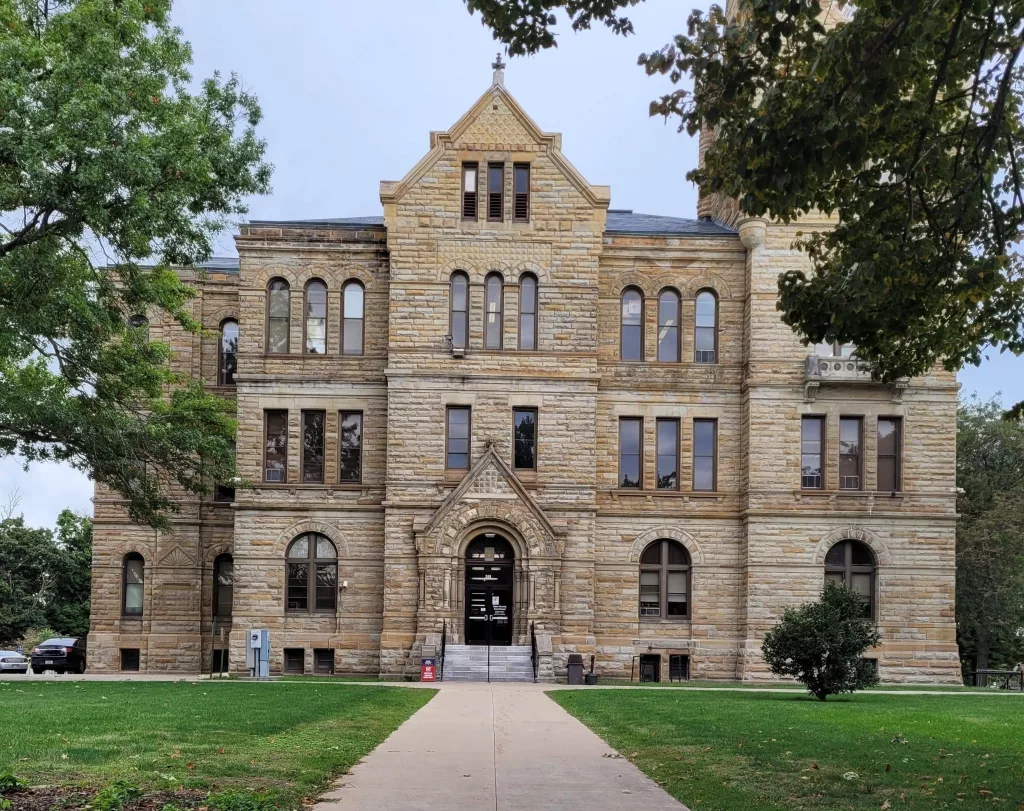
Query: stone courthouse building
x=503, y=411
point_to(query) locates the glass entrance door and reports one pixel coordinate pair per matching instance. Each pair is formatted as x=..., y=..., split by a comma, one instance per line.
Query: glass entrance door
x=489, y=605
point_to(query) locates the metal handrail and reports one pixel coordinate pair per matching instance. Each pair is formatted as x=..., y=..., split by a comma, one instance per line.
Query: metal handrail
x=534, y=658
x=444, y=642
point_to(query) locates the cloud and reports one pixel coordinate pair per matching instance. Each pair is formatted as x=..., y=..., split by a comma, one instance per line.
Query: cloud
x=44, y=490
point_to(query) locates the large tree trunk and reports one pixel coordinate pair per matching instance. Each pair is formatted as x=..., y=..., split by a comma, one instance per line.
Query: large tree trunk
x=983, y=645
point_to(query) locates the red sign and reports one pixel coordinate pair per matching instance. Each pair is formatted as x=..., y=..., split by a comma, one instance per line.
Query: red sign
x=427, y=671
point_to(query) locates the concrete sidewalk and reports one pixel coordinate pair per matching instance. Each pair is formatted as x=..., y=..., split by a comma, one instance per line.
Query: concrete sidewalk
x=506, y=747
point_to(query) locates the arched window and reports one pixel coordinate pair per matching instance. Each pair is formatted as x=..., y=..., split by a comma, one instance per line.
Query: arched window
x=312, y=574
x=133, y=579
x=668, y=326
x=278, y=317
x=853, y=563
x=665, y=581
x=528, y=311
x=352, y=318
x=459, y=316
x=705, y=330
x=494, y=292
x=227, y=363
x=631, y=337
x=316, y=318
x=140, y=323
x=223, y=585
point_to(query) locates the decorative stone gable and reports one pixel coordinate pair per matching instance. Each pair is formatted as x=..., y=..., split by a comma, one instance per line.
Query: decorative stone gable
x=490, y=493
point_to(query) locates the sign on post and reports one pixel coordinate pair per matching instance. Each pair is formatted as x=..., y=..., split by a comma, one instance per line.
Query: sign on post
x=427, y=670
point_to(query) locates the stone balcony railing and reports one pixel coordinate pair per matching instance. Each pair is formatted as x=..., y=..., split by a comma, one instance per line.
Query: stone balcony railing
x=849, y=370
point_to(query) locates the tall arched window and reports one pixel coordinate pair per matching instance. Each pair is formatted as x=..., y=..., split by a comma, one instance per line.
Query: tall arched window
x=853, y=563
x=227, y=361
x=459, y=316
x=665, y=581
x=493, y=292
x=133, y=580
x=140, y=323
x=528, y=311
x=352, y=318
x=316, y=318
x=705, y=330
x=278, y=317
x=668, y=326
x=312, y=574
x=631, y=336
x=223, y=585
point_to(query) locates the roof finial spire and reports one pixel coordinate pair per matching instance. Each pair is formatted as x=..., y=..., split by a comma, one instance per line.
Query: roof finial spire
x=499, y=71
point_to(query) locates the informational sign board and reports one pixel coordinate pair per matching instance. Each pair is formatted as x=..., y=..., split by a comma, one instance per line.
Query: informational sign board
x=428, y=670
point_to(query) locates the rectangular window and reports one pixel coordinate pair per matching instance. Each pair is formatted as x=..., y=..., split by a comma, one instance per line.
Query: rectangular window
x=457, y=452
x=323, y=661
x=130, y=659
x=350, y=464
x=890, y=438
x=219, y=661
x=668, y=454
x=650, y=594
x=469, y=175
x=298, y=586
x=313, y=423
x=294, y=660
x=495, y=191
x=849, y=453
x=705, y=461
x=812, y=444
x=631, y=452
x=678, y=667
x=524, y=422
x=275, y=454
x=521, y=183
x=326, y=586
x=650, y=667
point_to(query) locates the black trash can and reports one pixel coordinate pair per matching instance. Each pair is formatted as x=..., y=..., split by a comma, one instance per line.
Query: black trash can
x=575, y=668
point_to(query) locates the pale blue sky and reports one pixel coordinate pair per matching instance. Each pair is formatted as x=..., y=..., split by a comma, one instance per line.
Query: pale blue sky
x=350, y=91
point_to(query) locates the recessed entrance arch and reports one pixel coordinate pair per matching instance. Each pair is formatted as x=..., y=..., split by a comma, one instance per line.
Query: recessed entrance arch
x=490, y=576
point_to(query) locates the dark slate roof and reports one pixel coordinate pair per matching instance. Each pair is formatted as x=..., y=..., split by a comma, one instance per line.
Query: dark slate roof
x=624, y=221
x=338, y=222
x=222, y=264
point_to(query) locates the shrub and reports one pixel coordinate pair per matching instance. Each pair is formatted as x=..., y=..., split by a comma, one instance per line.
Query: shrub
x=114, y=796
x=822, y=644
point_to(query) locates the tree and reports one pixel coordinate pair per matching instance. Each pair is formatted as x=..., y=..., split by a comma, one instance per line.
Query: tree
x=111, y=172
x=904, y=121
x=45, y=579
x=990, y=537
x=822, y=644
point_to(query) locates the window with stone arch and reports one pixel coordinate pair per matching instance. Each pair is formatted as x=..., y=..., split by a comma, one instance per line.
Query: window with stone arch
x=315, y=323
x=311, y=576
x=631, y=328
x=352, y=303
x=853, y=563
x=528, y=312
x=668, y=326
x=665, y=581
x=705, y=328
x=458, y=296
x=223, y=585
x=141, y=324
x=494, y=293
x=133, y=583
x=227, y=353
x=278, y=317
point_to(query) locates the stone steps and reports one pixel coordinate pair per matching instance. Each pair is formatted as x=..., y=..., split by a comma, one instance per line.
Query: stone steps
x=469, y=663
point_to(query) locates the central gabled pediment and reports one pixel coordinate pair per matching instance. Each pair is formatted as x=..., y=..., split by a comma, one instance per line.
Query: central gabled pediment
x=489, y=491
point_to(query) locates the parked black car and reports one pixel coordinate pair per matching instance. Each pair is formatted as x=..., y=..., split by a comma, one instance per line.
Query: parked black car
x=62, y=654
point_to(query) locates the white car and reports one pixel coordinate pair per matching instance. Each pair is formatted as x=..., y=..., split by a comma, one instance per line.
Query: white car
x=13, y=662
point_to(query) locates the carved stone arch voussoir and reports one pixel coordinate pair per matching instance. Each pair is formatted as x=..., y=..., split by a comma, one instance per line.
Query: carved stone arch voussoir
x=475, y=273
x=287, y=273
x=451, y=534
x=853, y=533
x=299, y=527
x=708, y=281
x=662, y=533
x=517, y=271
x=213, y=320
x=212, y=553
x=357, y=273
x=145, y=549
x=633, y=279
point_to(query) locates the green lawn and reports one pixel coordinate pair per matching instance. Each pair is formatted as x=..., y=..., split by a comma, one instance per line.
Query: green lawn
x=285, y=739
x=727, y=751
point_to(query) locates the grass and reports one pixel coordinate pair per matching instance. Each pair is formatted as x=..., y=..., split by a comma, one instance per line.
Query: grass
x=719, y=751
x=697, y=684
x=287, y=740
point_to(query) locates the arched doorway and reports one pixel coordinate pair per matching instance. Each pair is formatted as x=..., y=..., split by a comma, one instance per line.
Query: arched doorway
x=490, y=567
